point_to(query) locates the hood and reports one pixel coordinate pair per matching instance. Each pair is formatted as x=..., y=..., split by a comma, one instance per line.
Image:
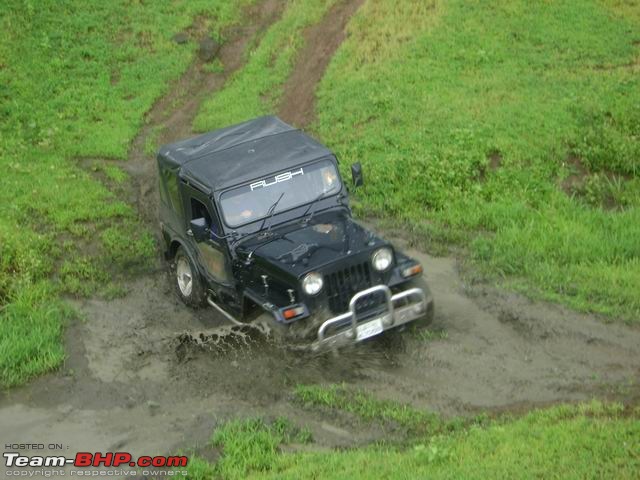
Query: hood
x=298, y=248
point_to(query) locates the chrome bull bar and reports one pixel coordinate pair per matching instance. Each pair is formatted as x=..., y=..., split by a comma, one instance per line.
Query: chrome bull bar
x=392, y=317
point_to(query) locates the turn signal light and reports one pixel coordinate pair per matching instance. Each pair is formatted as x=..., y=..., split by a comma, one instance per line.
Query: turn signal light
x=411, y=271
x=292, y=312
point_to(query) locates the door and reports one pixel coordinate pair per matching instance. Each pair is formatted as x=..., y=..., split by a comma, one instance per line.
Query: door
x=212, y=252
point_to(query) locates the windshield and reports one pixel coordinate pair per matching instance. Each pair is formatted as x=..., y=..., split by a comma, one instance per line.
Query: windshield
x=294, y=188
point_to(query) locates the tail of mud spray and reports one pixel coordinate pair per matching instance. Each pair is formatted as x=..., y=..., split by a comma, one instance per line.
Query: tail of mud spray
x=232, y=338
x=222, y=339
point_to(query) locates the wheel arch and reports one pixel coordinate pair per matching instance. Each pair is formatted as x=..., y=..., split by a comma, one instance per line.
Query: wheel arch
x=173, y=249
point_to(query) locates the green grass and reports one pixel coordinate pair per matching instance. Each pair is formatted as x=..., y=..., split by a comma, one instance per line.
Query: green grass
x=75, y=81
x=368, y=408
x=256, y=89
x=591, y=440
x=152, y=144
x=469, y=116
x=249, y=445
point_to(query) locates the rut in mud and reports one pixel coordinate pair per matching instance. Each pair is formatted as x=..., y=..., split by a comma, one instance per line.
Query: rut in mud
x=138, y=379
x=171, y=118
x=297, y=106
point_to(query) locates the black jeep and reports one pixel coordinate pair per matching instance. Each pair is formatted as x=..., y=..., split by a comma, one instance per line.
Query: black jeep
x=256, y=223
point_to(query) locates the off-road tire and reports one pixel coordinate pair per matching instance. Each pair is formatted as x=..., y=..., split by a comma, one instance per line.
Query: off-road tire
x=190, y=291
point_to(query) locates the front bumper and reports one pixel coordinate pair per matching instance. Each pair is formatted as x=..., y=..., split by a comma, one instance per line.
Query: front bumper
x=415, y=306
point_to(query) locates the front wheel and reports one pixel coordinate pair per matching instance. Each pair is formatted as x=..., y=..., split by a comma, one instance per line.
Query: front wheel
x=188, y=283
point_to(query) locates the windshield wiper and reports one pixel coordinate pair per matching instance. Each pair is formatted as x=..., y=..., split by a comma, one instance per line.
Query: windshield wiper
x=317, y=199
x=247, y=235
x=271, y=212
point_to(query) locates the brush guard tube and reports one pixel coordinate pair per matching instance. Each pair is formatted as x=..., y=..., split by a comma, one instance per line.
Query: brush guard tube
x=392, y=317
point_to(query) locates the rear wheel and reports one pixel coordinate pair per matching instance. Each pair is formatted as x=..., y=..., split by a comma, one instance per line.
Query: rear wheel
x=188, y=283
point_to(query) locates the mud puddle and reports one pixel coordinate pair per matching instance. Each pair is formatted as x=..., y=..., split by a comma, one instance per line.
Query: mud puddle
x=131, y=373
x=136, y=380
x=138, y=365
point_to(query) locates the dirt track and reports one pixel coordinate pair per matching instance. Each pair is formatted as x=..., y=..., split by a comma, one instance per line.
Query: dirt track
x=321, y=42
x=128, y=384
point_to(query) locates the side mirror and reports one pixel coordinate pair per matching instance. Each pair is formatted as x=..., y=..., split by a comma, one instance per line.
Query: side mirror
x=199, y=229
x=356, y=174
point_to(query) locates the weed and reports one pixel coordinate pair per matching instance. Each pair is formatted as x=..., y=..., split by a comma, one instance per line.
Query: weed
x=427, y=335
x=252, y=445
x=215, y=66
x=368, y=408
x=151, y=145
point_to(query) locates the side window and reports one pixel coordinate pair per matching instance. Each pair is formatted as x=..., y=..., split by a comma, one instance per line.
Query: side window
x=199, y=210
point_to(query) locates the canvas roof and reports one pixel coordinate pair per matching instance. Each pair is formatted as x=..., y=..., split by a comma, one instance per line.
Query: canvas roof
x=240, y=153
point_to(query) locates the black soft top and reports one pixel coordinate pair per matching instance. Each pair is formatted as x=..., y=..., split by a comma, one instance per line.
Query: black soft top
x=240, y=153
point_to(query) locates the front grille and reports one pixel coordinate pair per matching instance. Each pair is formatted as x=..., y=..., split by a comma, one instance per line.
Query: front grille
x=344, y=284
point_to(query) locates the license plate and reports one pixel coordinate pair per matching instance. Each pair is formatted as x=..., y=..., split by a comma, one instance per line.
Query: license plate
x=369, y=329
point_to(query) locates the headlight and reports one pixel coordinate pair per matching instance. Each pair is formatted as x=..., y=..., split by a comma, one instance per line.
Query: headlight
x=382, y=259
x=312, y=283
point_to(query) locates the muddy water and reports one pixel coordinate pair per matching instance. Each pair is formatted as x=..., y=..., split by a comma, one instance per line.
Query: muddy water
x=130, y=380
x=503, y=350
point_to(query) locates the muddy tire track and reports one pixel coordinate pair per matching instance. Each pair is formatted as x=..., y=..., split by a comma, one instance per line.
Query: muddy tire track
x=171, y=117
x=321, y=42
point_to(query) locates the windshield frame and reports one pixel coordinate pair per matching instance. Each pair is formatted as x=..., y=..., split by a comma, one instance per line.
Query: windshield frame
x=219, y=201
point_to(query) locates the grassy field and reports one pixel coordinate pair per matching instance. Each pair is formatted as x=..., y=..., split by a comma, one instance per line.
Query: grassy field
x=510, y=128
x=591, y=440
x=75, y=81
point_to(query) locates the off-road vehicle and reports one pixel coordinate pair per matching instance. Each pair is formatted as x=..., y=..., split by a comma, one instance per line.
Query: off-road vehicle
x=256, y=222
